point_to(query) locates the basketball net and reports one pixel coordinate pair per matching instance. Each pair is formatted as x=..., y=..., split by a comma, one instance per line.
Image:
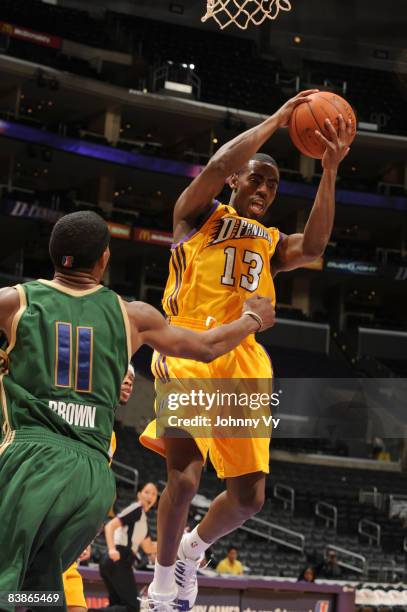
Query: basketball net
x=244, y=12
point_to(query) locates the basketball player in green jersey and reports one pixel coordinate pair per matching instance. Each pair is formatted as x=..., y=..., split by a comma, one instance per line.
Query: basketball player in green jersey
x=69, y=345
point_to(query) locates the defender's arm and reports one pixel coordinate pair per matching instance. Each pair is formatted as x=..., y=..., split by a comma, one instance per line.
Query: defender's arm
x=150, y=327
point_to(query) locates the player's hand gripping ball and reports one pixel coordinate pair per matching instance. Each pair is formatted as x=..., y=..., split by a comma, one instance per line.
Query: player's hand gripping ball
x=284, y=113
x=315, y=127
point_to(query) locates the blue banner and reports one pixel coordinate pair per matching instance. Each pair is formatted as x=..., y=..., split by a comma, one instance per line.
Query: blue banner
x=179, y=168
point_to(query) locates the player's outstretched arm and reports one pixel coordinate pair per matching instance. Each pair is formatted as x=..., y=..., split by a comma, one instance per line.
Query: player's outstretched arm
x=9, y=304
x=296, y=250
x=150, y=327
x=197, y=198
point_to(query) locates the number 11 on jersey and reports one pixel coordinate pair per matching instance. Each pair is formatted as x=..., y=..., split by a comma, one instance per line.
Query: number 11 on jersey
x=63, y=357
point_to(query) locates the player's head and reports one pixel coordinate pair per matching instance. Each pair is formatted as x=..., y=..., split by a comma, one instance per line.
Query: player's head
x=127, y=386
x=147, y=495
x=255, y=186
x=80, y=243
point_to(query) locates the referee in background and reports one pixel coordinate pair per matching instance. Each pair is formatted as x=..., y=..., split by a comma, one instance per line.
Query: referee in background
x=124, y=534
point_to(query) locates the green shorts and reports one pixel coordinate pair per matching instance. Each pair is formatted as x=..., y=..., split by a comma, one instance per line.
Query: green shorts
x=54, y=496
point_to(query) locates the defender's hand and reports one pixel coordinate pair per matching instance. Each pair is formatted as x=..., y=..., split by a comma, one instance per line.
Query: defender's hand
x=337, y=144
x=263, y=308
x=114, y=554
x=284, y=113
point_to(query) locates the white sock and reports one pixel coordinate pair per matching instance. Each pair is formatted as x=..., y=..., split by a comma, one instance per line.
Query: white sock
x=164, y=579
x=193, y=546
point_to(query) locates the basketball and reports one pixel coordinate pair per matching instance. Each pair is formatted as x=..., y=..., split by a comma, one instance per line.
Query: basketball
x=311, y=116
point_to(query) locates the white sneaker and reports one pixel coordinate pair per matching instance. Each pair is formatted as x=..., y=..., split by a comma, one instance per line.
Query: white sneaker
x=159, y=602
x=185, y=577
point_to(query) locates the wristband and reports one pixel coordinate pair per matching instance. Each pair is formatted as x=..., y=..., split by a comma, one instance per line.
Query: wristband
x=255, y=316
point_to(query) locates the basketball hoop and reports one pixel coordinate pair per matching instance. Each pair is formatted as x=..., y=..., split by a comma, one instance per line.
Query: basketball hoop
x=244, y=12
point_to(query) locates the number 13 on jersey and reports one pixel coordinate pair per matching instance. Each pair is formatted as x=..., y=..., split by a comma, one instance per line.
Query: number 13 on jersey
x=249, y=281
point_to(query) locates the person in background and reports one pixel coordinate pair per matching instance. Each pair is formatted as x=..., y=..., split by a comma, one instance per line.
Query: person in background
x=124, y=534
x=230, y=564
x=85, y=556
x=331, y=568
x=307, y=574
x=379, y=450
x=126, y=391
x=127, y=386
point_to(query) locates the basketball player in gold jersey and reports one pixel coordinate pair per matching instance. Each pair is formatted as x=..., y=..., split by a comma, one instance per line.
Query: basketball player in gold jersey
x=221, y=255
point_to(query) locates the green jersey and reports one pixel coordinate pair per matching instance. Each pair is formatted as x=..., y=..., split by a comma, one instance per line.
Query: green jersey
x=68, y=354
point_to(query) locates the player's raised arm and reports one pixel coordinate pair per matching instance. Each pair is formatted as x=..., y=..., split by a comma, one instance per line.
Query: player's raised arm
x=195, y=201
x=148, y=326
x=295, y=250
x=9, y=304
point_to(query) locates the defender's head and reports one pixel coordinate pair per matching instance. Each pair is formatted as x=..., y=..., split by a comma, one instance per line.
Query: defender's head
x=255, y=186
x=80, y=243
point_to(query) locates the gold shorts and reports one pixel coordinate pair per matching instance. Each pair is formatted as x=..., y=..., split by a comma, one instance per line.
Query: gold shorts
x=230, y=457
x=73, y=587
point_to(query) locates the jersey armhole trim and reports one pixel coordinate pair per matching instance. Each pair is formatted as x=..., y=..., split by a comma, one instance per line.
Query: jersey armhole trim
x=17, y=318
x=127, y=327
x=196, y=230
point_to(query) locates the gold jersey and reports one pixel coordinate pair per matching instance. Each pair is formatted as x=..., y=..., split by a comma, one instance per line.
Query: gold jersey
x=217, y=266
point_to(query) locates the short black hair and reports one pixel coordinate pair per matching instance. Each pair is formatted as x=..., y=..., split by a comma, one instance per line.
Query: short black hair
x=264, y=157
x=78, y=240
x=232, y=548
